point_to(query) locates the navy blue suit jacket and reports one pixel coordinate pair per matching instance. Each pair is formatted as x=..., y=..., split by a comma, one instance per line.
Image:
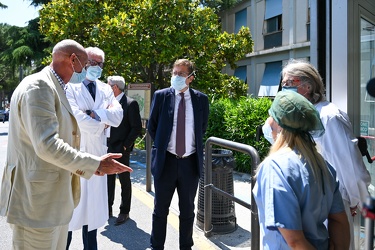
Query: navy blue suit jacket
x=160, y=126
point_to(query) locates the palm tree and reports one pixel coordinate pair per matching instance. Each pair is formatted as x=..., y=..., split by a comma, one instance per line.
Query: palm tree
x=21, y=49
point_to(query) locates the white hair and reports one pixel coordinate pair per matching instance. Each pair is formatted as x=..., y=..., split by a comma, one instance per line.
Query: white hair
x=117, y=80
x=95, y=51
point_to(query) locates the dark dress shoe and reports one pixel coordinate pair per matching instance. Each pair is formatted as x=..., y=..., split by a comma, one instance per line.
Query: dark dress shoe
x=122, y=218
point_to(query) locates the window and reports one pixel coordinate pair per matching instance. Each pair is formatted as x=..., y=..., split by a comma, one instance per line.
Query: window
x=273, y=24
x=240, y=20
x=273, y=33
x=308, y=23
x=240, y=73
x=271, y=79
x=273, y=8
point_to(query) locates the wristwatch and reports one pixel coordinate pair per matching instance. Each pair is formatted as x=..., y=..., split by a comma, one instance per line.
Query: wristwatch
x=88, y=112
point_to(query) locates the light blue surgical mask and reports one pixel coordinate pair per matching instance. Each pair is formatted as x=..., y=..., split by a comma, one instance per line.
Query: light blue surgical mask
x=94, y=73
x=267, y=132
x=290, y=88
x=178, y=82
x=78, y=77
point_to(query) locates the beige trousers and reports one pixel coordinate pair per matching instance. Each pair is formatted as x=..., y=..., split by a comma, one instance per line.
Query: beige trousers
x=27, y=238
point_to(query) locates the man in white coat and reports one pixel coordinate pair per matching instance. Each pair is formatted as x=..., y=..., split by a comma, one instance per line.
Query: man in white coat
x=338, y=145
x=95, y=108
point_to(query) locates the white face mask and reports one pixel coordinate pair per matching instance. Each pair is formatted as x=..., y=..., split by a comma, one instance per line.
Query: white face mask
x=94, y=73
x=267, y=132
x=178, y=82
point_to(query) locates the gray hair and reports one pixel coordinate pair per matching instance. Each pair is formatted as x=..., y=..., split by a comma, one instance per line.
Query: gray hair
x=307, y=74
x=95, y=51
x=117, y=80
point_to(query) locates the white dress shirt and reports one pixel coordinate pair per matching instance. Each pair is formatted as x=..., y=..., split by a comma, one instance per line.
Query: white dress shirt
x=189, y=125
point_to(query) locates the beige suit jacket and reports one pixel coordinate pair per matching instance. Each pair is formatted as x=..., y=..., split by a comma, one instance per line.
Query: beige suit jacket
x=40, y=185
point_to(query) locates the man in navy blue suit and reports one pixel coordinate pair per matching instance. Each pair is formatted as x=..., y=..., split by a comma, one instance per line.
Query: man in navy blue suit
x=178, y=121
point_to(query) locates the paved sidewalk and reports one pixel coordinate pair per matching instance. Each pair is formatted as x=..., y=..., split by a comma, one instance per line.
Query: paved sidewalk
x=135, y=233
x=237, y=240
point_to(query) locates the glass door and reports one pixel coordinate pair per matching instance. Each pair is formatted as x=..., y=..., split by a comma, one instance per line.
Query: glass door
x=367, y=72
x=367, y=116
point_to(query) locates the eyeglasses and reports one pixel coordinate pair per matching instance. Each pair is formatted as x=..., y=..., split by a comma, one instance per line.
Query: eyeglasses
x=94, y=63
x=182, y=74
x=289, y=82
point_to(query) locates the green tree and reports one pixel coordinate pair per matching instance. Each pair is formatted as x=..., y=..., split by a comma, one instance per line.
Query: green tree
x=219, y=5
x=20, y=47
x=21, y=52
x=142, y=38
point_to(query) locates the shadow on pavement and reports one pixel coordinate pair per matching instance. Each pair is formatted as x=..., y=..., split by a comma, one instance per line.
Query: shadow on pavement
x=126, y=234
x=237, y=239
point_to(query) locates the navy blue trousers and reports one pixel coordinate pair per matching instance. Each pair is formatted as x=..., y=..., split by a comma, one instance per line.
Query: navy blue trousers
x=89, y=239
x=180, y=174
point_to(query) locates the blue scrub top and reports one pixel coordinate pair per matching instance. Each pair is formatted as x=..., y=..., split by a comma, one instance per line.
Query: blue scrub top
x=288, y=196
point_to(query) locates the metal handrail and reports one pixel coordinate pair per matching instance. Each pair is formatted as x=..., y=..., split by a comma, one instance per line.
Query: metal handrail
x=208, y=186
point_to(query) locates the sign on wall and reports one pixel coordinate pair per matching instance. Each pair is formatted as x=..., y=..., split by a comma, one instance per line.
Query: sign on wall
x=141, y=92
x=364, y=127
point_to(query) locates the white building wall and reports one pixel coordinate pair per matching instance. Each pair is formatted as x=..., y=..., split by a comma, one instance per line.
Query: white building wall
x=294, y=37
x=339, y=85
x=288, y=23
x=258, y=20
x=301, y=12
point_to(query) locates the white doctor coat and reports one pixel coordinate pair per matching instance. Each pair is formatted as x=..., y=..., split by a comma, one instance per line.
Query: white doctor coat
x=92, y=209
x=339, y=147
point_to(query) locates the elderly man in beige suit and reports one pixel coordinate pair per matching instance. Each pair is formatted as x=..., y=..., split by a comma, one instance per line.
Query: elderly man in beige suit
x=40, y=185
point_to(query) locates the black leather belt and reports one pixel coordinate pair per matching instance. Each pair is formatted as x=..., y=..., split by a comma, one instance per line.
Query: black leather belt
x=179, y=157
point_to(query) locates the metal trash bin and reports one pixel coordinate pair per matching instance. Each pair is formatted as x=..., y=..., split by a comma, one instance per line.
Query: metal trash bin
x=223, y=212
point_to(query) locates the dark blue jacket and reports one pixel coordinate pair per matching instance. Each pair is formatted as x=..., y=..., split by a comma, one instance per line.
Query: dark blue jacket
x=160, y=126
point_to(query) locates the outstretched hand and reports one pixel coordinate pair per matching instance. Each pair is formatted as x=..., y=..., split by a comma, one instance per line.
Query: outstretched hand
x=108, y=165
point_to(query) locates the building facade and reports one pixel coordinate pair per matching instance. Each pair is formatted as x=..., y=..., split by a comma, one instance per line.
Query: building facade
x=280, y=30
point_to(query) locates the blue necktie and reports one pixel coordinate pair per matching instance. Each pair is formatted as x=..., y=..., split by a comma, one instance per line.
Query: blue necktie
x=91, y=88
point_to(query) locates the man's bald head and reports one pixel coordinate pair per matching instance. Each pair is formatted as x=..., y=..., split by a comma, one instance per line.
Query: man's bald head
x=68, y=47
x=68, y=56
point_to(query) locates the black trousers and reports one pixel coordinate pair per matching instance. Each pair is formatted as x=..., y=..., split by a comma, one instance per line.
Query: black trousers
x=180, y=174
x=126, y=187
x=88, y=238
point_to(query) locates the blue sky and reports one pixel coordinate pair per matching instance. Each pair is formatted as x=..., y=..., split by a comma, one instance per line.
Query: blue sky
x=18, y=12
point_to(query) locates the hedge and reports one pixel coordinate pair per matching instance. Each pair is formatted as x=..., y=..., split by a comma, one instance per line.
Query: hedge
x=237, y=120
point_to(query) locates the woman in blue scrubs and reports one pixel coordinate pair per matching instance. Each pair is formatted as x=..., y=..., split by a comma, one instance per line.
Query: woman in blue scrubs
x=296, y=190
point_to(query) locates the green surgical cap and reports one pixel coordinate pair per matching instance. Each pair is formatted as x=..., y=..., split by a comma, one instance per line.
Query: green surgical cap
x=295, y=113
